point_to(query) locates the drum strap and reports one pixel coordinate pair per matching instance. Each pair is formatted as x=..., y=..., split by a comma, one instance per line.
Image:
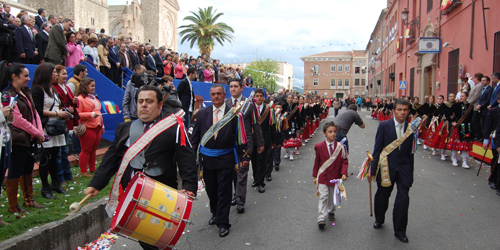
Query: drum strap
x=135, y=149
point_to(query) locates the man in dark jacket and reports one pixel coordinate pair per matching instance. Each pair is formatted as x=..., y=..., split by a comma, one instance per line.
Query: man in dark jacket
x=164, y=150
x=186, y=95
x=6, y=28
x=25, y=40
x=42, y=40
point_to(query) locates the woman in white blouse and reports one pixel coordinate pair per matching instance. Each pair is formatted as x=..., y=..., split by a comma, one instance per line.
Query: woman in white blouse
x=91, y=50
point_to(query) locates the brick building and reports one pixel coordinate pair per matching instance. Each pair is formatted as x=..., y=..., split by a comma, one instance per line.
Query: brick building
x=467, y=35
x=336, y=73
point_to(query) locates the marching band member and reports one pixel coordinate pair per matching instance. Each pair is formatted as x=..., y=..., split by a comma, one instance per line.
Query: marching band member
x=254, y=139
x=219, y=155
x=260, y=164
x=462, y=137
x=292, y=124
x=162, y=157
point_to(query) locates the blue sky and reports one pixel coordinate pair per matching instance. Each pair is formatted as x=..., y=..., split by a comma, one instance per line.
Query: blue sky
x=287, y=30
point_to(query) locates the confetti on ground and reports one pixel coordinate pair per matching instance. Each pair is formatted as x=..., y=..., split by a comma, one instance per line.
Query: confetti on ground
x=104, y=242
x=248, y=244
x=333, y=224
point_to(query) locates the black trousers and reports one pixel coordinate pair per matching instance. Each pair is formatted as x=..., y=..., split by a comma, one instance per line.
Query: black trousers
x=105, y=71
x=219, y=191
x=48, y=164
x=494, y=176
x=259, y=162
x=21, y=162
x=476, y=124
x=401, y=204
x=269, y=160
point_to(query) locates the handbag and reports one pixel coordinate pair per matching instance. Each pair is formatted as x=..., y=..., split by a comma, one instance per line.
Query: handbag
x=80, y=129
x=56, y=127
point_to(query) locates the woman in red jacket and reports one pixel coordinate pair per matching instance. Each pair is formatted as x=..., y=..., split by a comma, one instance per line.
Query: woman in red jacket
x=89, y=110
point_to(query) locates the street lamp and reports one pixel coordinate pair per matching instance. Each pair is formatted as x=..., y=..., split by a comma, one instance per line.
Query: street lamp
x=404, y=15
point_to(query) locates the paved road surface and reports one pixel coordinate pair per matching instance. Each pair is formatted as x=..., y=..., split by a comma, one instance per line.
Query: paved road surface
x=450, y=208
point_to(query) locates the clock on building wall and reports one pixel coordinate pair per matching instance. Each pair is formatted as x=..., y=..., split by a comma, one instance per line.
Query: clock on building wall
x=166, y=28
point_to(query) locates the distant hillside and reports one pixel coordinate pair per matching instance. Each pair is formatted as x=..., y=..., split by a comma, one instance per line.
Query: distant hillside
x=298, y=89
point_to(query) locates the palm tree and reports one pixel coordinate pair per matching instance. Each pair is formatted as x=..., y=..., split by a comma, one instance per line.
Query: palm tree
x=205, y=29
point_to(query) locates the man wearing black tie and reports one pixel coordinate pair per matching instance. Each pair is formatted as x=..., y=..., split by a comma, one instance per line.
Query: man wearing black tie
x=40, y=18
x=400, y=163
x=150, y=61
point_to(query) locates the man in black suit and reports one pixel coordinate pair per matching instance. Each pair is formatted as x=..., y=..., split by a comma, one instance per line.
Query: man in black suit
x=490, y=125
x=159, y=61
x=40, y=18
x=496, y=141
x=261, y=165
x=150, y=61
x=481, y=108
x=217, y=157
x=186, y=95
x=115, y=61
x=25, y=40
x=42, y=40
x=401, y=162
x=255, y=142
x=165, y=151
x=132, y=53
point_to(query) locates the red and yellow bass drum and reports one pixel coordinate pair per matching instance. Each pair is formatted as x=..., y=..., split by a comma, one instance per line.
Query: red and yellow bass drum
x=151, y=212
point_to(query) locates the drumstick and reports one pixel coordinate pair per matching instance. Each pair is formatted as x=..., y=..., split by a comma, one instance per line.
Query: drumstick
x=76, y=206
x=370, y=185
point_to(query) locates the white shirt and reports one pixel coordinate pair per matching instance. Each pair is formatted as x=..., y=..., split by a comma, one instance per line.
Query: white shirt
x=261, y=107
x=126, y=59
x=396, y=123
x=328, y=146
x=221, y=112
x=46, y=32
x=232, y=100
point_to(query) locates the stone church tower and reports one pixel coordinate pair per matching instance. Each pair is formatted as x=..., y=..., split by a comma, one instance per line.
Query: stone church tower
x=142, y=24
x=150, y=21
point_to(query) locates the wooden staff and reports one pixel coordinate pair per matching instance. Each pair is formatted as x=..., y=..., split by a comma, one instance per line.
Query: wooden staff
x=484, y=156
x=370, y=183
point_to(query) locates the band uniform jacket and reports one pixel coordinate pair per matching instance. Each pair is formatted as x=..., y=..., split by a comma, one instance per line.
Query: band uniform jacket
x=254, y=131
x=268, y=130
x=56, y=48
x=181, y=157
x=400, y=160
x=335, y=170
x=226, y=138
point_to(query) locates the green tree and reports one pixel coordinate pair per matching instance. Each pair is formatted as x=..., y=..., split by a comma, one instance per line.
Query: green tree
x=205, y=29
x=264, y=73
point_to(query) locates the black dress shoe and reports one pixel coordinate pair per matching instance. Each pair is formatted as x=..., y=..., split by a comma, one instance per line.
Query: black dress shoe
x=493, y=185
x=211, y=221
x=403, y=239
x=254, y=184
x=377, y=225
x=57, y=187
x=233, y=202
x=223, y=232
x=262, y=189
x=240, y=209
x=277, y=167
x=269, y=178
x=47, y=193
